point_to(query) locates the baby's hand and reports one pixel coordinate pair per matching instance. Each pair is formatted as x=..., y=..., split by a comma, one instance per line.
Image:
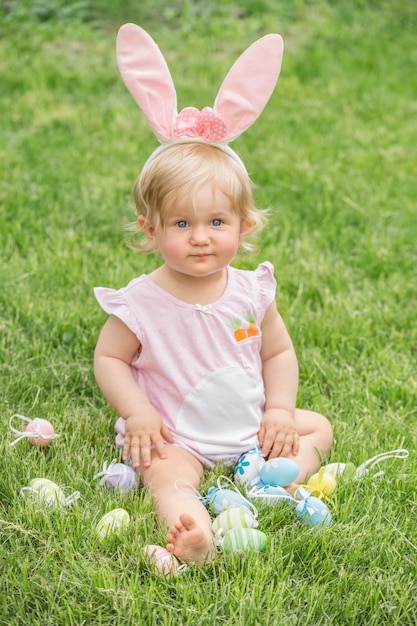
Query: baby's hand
x=142, y=431
x=278, y=435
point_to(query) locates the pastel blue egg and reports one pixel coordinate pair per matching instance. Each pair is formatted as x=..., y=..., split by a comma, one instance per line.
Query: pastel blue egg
x=279, y=472
x=314, y=511
x=222, y=499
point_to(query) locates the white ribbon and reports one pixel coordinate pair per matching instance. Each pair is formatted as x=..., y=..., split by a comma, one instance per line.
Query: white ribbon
x=36, y=433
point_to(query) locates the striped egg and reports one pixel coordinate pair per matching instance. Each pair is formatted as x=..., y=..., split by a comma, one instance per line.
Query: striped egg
x=279, y=472
x=248, y=467
x=112, y=522
x=236, y=517
x=49, y=492
x=222, y=499
x=162, y=560
x=121, y=476
x=243, y=540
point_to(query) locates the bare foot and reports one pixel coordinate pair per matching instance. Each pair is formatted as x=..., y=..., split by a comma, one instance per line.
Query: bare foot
x=188, y=541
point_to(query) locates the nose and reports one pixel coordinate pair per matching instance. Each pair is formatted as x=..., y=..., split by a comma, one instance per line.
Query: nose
x=200, y=235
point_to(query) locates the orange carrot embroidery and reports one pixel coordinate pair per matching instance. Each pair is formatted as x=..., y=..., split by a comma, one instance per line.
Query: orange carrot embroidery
x=252, y=328
x=239, y=332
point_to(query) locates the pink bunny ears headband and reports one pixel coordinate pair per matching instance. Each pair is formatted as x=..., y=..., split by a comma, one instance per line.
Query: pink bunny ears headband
x=241, y=98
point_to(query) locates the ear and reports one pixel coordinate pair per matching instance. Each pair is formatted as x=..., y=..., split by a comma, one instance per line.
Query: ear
x=147, y=77
x=245, y=228
x=149, y=230
x=249, y=85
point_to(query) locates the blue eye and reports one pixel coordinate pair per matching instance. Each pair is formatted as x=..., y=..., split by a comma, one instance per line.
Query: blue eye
x=216, y=222
x=182, y=224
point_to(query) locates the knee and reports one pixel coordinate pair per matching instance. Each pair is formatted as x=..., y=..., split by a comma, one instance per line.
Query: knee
x=326, y=433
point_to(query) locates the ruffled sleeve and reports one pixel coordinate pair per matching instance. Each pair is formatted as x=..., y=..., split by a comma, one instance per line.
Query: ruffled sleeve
x=114, y=302
x=267, y=284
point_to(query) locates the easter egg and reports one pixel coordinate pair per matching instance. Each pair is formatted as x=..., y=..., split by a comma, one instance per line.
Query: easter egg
x=221, y=499
x=244, y=539
x=314, y=511
x=248, y=467
x=43, y=432
x=279, y=472
x=49, y=493
x=322, y=483
x=235, y=517
x=121, y=476
x=268, y=494
x=112, y=522
x=163, y=561
x=347, y=470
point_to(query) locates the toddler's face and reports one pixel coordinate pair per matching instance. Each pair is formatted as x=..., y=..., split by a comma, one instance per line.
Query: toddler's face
x=201, y=237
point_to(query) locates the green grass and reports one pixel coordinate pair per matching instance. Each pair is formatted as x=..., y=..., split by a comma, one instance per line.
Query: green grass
x=334, y=157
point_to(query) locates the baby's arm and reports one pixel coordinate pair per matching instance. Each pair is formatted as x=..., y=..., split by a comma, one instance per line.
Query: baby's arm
x=278, y=435
x=114, y=352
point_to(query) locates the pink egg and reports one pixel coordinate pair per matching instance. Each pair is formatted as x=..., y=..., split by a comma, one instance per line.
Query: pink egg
x=163, y=560
x=43, y=432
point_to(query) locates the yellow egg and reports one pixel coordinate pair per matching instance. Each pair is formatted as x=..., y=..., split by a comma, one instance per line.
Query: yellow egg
x=322, y=483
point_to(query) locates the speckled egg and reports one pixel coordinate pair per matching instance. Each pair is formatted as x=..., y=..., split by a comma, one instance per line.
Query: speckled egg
x=279, y=472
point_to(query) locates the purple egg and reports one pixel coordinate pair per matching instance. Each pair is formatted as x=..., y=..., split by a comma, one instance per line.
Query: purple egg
x=121, y=476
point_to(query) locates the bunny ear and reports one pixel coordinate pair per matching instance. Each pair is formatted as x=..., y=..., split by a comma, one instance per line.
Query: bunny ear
x=249, y=85
x=147, y=77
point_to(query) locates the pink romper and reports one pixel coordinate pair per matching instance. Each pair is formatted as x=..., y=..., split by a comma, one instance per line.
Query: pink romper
x=200, y=365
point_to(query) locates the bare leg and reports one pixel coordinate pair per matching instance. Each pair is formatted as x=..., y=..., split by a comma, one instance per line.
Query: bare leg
x=190, y=537
x=316, y=438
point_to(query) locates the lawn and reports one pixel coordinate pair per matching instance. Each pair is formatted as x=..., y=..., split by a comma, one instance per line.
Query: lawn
x=334, y=159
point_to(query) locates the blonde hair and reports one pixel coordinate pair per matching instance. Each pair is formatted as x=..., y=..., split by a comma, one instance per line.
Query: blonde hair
x=181, y=170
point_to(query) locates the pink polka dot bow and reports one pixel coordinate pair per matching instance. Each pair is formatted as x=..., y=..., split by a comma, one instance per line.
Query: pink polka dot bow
x=194, y=123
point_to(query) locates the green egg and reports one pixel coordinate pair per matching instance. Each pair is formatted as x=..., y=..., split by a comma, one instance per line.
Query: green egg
x=243, y=540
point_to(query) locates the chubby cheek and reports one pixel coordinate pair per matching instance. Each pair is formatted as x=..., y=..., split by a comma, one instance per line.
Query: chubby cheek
x=228, y=246
x=173, y=248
